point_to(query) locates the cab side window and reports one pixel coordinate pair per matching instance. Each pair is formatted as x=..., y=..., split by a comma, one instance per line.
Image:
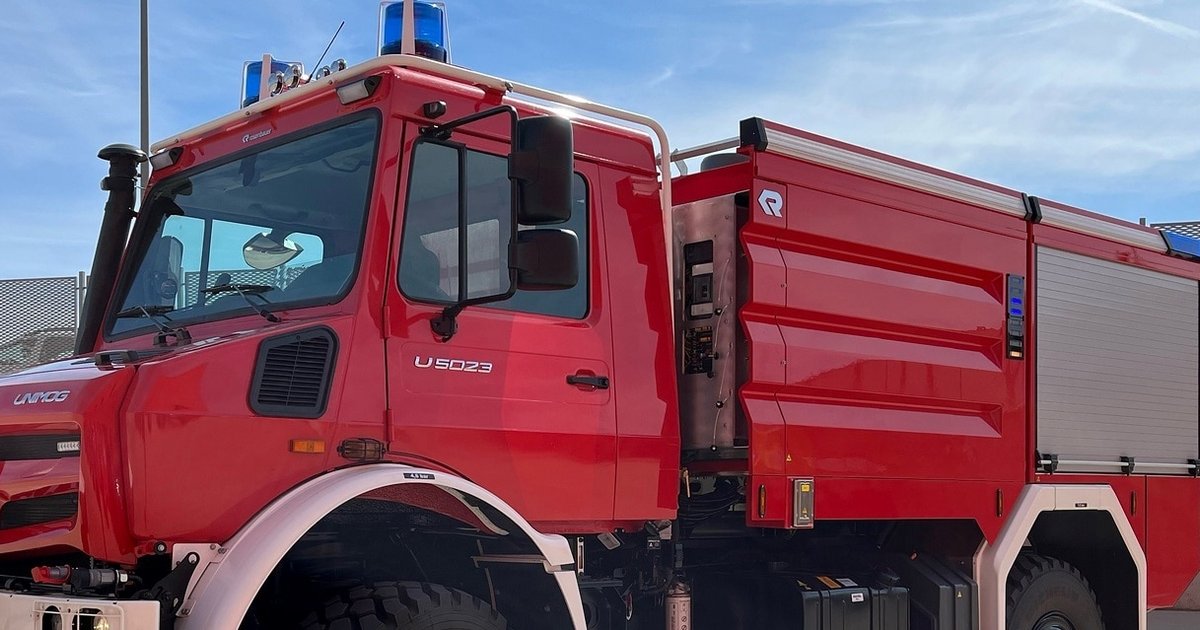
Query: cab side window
x=429, y=251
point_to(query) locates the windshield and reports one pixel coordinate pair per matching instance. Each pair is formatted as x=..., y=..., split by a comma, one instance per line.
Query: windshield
x=278, y=228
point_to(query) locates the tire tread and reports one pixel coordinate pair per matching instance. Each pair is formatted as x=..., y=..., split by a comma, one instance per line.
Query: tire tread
x=1028, y=568
x=402, y=606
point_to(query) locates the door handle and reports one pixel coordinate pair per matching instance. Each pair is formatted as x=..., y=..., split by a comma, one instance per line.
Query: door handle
x=587, y=380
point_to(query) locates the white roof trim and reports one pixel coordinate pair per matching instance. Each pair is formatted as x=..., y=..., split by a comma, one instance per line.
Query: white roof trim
x=842, y=159
x=464, y=75
x=790, y=145
x=1095, y=227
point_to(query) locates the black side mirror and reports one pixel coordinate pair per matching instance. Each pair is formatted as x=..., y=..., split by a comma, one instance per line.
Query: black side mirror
x=546, y=260
x=541, y=166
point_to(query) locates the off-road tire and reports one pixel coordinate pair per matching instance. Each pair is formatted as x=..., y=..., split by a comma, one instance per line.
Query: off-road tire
x=404, y=606
x=1049, y=594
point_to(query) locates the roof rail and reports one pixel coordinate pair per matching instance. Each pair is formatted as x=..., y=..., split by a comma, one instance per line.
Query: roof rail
x=453, y=72
x=678, y=157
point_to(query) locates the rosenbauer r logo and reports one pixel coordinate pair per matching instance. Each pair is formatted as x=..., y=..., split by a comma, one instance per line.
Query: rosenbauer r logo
x=771, y=203
x=37, y=398
x=251, y=137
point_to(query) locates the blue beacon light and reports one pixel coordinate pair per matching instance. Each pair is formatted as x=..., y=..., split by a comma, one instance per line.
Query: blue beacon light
x=252, y=76
x=432, y=35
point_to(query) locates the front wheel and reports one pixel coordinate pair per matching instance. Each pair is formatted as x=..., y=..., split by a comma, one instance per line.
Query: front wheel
x=404, y=606
x=1049, y=594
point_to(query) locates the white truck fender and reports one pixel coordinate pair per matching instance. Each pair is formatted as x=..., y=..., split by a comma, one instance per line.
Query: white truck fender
x=229, y=576
x=993, y=562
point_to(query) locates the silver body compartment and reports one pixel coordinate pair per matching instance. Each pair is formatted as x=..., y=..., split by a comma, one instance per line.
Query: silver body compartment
x=1118, y=365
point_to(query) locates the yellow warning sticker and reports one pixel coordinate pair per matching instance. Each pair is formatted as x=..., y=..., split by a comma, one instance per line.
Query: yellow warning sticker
x=828, y=581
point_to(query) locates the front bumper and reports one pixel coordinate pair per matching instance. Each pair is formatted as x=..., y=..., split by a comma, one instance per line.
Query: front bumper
x=29, y=612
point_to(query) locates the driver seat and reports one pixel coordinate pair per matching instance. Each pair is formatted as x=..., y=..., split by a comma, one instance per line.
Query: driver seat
x=327, y=278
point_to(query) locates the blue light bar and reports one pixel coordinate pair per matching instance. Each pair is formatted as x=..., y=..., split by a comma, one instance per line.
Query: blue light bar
x=252, y=76
x=432, y=34
x=1180, y=245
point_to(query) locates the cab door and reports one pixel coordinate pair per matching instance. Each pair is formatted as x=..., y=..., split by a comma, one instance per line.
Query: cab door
x=521, y=398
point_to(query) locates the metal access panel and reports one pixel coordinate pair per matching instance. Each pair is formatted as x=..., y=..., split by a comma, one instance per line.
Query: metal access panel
x=1118, y=364
x=706, y=247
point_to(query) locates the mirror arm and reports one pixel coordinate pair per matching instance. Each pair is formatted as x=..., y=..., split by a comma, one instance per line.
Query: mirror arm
x=444, y=130
x=445, y=325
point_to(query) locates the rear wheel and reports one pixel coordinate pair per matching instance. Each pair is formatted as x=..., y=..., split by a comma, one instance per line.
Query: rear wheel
x=1049, y=594
x=404, y=606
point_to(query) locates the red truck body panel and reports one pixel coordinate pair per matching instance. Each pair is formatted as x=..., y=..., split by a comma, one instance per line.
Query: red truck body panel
x=85, y=415
x=1172, y=529
x=887, y=307
x=874, y=321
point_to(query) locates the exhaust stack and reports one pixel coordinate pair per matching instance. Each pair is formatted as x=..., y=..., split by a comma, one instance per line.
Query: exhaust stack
x=121, y=184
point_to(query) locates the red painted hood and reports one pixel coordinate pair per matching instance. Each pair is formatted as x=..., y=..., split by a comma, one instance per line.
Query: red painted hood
x=60, y=461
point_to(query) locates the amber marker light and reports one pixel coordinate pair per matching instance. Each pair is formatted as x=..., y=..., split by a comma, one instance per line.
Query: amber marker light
x=311, y=447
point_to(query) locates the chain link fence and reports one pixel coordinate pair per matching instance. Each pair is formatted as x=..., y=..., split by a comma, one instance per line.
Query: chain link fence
x=39, y=316
x=38, y=319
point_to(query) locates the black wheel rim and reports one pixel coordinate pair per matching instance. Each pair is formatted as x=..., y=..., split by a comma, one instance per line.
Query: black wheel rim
x=1054, y=621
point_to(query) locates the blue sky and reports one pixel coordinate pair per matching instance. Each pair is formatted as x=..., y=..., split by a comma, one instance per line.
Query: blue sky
x=1091, y=102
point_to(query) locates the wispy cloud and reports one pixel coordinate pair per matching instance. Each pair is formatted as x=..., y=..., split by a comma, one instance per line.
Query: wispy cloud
x=1166, y=26
x=962, y=21
x=1088, y=101
x=661, y=77
x=1064, y=103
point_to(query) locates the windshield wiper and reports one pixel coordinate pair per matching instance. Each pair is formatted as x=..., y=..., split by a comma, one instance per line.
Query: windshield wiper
x=234, y=287
x=150, y=310
x=166, y=333
x=246, y=290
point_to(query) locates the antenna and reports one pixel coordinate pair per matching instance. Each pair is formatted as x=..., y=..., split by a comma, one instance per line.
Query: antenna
x=313, y=72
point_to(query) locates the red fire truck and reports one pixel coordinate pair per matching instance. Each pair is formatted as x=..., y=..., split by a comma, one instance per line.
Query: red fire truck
x=406, y=346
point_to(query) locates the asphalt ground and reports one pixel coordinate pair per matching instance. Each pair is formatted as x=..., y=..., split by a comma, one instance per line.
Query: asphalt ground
x=1171, y=620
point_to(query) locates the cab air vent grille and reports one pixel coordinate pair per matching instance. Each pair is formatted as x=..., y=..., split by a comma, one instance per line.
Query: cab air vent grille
x=292, y=374
x=23, y=512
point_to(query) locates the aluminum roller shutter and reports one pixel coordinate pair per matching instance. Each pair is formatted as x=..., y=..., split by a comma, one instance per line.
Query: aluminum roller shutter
x=1118, y=362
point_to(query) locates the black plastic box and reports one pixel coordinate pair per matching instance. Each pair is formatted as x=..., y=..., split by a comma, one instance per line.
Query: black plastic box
x=889, y=608
x=796, y=601
x=943, y=597
x=831, y=603
x=835, y=602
